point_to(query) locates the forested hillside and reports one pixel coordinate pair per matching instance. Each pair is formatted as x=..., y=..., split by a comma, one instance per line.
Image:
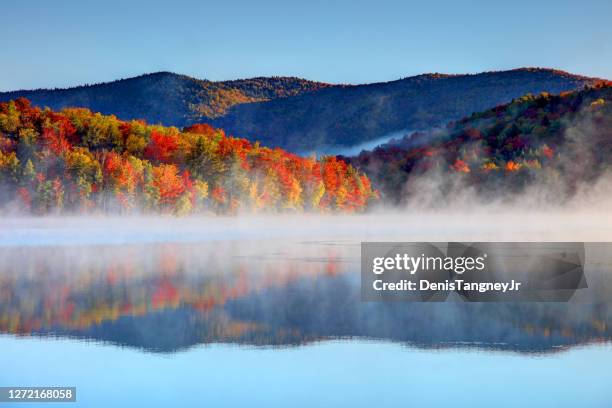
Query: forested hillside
x=353, y=115
x=167, y=98
x=559, y=143
x=76, y=160
x=305, y=116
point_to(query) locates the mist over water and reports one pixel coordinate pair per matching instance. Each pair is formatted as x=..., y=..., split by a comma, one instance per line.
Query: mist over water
x=72, y=274
x=263, y=280
x=166, y=300
x=491, y=223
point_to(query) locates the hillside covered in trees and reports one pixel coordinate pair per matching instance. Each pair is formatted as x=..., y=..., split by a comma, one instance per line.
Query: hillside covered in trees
x=76, y=160
x=345, y=117
x=305, y=116
x=166, y=98
x=558, y=143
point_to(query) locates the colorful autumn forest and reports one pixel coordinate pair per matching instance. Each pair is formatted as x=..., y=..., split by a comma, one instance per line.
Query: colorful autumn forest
x=558, y=142
x=76, y=160
x=79, y=161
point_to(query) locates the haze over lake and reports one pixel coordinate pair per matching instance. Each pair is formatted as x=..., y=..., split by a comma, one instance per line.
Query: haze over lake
x=168, y=302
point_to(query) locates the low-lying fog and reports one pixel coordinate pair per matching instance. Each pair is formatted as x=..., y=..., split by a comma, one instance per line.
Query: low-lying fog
x=275, y=280
x=398, y=226
x=356, y=149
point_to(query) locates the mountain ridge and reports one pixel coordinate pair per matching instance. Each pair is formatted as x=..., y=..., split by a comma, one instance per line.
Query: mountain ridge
x=303, y=115
x=237, y=80
x=162, y=74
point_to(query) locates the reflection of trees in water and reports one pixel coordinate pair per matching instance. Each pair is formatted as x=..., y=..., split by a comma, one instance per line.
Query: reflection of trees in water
x=76, y=288
x=332, y=309
x=170, y=297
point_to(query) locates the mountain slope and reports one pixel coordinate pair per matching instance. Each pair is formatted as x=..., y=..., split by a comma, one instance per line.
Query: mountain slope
x=559, y=144
x=353, y=115
x=76, y=160
x=165, y=97
x=302, y=115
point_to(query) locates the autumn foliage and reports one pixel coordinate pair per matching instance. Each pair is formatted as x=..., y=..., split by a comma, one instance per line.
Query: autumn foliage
x=561, y=140
x=76, y=160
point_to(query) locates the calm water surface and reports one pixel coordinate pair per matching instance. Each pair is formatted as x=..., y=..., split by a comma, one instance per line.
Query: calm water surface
x=232, y=314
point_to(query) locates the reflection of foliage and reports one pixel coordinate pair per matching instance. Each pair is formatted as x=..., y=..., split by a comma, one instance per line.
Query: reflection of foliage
x=90, y=162
x=50, y=289
x=174, y=296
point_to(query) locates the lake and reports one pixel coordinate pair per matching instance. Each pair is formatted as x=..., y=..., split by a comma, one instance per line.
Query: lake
x=266, y=311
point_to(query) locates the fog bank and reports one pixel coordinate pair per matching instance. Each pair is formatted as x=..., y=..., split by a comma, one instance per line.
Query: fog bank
x=508, y=225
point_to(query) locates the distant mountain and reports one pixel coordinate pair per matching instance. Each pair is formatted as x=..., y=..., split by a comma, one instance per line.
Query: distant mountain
x=556, y=144
x=303, y=115
x=167, y=98
x=352, y=115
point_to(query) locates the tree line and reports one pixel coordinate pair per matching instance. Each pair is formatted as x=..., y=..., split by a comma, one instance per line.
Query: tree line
x=78, y=160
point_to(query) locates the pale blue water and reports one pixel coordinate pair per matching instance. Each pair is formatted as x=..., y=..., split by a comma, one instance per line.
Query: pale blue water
x=216, y=321
x=330, y=374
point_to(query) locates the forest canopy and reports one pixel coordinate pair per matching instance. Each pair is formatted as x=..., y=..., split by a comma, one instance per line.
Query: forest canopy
x=556, y=142
x=77, y=160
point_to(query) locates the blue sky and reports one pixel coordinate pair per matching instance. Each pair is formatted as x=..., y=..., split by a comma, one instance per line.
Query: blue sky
x=65, y=43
